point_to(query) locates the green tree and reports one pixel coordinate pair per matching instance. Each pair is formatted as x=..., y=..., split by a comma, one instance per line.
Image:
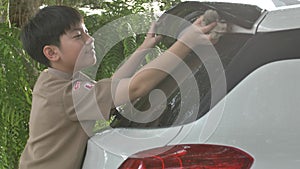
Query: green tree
x=17, y=75
x=21, y=10
x=15, y=94
x=4, y=6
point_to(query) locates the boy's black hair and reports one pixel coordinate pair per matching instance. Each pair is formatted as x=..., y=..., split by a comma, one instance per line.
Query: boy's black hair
x=46, y=27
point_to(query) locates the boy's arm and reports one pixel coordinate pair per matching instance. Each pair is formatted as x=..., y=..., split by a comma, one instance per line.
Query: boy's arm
x=154, y=72
x=130, y=66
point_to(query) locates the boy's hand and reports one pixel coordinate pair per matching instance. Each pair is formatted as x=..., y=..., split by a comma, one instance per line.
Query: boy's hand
x=196, y=34
x=151, y=38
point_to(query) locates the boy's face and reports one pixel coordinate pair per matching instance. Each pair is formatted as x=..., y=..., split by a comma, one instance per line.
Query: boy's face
x=77, y=48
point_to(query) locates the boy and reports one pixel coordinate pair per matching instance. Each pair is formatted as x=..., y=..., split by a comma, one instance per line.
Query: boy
x=56, y=36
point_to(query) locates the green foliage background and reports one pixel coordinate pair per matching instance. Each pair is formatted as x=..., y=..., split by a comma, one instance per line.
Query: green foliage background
x=18, y=71
x=15, y=92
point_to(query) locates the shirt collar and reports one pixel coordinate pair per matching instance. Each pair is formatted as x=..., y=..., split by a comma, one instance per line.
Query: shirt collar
x=60, y=73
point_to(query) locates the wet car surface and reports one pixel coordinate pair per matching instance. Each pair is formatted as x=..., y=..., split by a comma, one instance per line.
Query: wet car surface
x=258, y=112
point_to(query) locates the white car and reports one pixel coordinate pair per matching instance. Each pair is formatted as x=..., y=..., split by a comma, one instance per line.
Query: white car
x=248, y=115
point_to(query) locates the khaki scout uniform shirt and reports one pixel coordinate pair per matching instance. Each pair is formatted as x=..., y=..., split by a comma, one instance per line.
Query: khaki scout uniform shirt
x=60, y=119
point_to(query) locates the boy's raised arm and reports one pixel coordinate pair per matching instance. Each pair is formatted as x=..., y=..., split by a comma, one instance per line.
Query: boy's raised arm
x=150, y=75
x=131, y=65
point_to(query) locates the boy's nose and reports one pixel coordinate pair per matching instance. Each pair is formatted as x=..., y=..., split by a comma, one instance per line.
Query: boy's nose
x=89, y=40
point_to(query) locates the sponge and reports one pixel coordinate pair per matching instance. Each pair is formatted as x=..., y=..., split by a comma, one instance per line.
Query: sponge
x=212, y=16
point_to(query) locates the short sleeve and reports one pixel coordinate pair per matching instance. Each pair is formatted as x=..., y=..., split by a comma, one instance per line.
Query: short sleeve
x=88, y=100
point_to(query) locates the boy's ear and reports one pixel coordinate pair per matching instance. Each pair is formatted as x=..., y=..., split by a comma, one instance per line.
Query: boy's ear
x=51, y=52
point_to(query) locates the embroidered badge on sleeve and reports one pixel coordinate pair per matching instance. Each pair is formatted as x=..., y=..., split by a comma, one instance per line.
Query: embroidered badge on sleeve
x=76, y=85
x=88, y=85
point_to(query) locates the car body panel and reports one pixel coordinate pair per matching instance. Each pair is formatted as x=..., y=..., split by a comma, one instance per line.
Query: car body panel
x=260, y=116
x=278, y=20
x=116, y=145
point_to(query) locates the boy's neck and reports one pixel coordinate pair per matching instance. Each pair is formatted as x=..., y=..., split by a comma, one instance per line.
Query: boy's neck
x=62, y=68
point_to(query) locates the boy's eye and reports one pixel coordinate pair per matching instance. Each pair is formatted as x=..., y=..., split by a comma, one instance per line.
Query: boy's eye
x=77, y=36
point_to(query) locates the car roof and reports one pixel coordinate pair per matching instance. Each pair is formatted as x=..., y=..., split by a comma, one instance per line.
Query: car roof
x=269, y=5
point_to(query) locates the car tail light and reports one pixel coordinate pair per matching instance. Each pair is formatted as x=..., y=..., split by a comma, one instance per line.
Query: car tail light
x=190, y=156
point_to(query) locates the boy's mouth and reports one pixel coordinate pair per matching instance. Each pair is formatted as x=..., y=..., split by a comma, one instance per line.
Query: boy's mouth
x=93, y=51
